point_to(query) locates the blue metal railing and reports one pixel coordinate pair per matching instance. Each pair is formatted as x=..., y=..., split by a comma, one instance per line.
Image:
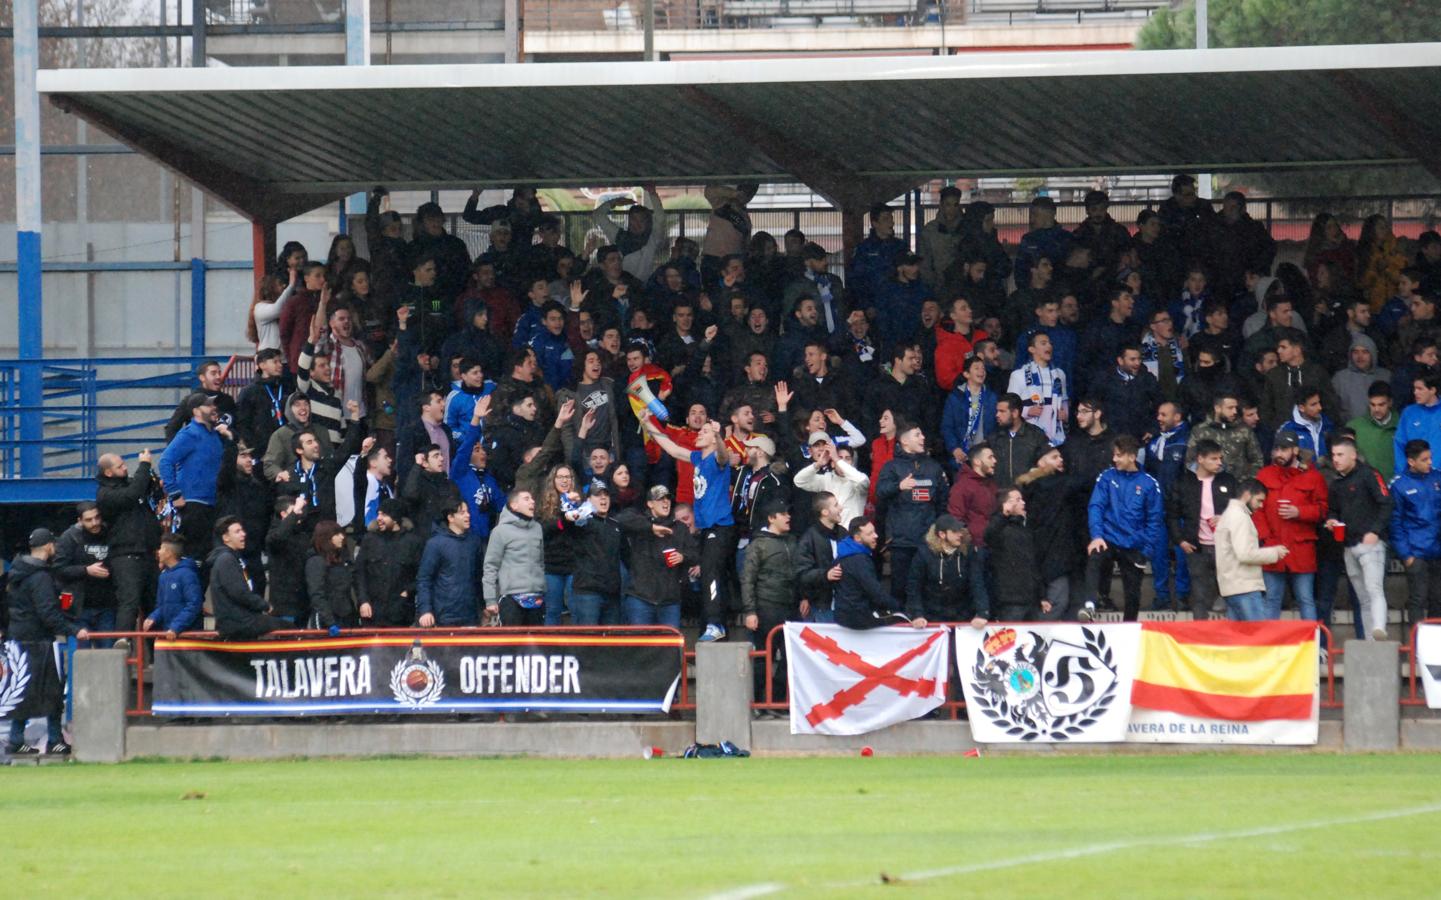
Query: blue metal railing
x=89, y=407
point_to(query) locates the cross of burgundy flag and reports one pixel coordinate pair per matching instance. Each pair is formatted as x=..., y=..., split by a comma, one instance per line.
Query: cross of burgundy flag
x=844, y=681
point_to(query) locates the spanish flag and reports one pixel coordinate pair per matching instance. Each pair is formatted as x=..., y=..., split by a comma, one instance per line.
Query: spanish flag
x=1242, y=671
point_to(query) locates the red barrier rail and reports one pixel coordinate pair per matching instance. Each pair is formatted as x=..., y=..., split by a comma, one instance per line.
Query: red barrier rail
x=139, y=640
x=1414, y=697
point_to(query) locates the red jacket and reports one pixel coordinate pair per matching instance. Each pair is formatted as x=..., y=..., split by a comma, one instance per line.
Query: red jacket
x=1306, y=490
x=973, y=500
x=951, y=352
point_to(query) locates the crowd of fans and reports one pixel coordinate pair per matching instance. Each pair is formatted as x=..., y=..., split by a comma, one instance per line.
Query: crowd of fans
x=727, y=431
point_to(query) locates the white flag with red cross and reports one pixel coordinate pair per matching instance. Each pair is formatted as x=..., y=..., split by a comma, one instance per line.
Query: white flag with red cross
x=844, y=681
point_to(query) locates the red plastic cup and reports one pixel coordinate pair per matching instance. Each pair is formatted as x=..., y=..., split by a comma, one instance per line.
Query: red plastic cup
x=1338, y=531
x=973, y=753
x=652, y=753
x=867, y=751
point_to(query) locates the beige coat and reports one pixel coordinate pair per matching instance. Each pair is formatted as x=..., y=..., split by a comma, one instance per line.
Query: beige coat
x=1239, y=554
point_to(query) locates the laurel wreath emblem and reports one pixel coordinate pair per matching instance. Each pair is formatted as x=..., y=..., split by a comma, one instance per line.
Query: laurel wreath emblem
x=402, y=692
x=14, y=676
x=1018, y=724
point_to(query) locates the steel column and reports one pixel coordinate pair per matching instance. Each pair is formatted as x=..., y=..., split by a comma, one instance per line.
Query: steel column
x=197, y=307
x=26, y=46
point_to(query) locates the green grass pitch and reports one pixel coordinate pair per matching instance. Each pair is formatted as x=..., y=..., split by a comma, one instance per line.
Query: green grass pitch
x=1274, y=825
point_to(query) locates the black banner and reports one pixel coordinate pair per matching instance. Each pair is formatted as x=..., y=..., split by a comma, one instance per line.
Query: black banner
x=634, y=671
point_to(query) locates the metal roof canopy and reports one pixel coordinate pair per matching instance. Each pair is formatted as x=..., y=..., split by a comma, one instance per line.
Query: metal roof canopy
x=276, y=142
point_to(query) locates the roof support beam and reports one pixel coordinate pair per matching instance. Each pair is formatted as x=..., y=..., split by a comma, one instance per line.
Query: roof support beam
x=833, y=179
x=1415, y=134
x=245, y=195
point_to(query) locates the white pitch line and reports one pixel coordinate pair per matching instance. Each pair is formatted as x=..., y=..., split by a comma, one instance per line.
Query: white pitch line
x=1204, y=837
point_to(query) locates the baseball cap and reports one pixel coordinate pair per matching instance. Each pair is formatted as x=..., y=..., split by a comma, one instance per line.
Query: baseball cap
x=658, y=492
x=40, y=537
x=197, y=400
x=947, y=522
x=818, y=437
x=762, y=443
x=598, y=486
x=1287, y=438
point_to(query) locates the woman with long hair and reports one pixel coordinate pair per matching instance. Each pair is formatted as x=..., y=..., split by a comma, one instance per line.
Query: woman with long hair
x=557, y=512
x=883, y=448
x=1328, y=243
x=292, y=256
x=624, y=492
x=1378, y=264
x=262, y=322
x=330, y=578
x=371, y=312
x=341, y=261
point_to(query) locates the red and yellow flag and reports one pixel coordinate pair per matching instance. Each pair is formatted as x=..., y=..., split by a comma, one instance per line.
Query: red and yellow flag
x=1242, y=671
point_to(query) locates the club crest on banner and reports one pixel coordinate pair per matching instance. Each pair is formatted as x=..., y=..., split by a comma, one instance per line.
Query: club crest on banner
x=416, y=680
x=14, y=676
x=1037, y=688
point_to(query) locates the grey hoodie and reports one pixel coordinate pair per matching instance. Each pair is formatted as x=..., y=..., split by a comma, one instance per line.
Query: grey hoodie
x=278, y=455
x=1352, y=383
x=514, y=559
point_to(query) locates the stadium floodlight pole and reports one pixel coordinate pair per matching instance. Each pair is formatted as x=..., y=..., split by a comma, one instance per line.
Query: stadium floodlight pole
x=26, y=52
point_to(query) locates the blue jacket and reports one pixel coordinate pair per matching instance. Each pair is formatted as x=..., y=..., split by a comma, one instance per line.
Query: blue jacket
x=1416, y=515
x=1125, y=511
x=898, y=310
x=874, y=262
x=1418, y=423
x=1308, y=440
x=554, y=356
x=190, y=465
x=956, y=418
x=481, y=491
x=448, y=583
x=859, y=596
x=178, y=599
x=1167, y=465
x=460, y=405
x=526, y=326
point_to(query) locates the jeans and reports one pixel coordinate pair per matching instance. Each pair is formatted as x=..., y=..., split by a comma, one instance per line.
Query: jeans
x=1303, y=588
x=641, y=612
x=52, y=731
x=1366, y=568
x=979, y=580
x=901, y=558
x=97, y=620
x=1162, y=566
x=769, y=618
x=197, y=521
x=1247, y=607
x=594, y=609
x=556, y=587
x=825, y=616
x=1058, y=591
x=1329, y=570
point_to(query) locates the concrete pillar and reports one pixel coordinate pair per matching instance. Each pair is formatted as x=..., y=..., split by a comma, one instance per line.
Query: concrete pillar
x=723, y=692
x=100, y=689
x=1372, y=695
x=31, y=337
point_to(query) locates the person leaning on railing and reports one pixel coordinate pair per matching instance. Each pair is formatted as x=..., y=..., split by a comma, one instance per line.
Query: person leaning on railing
x=178, y=600
x=240, y=613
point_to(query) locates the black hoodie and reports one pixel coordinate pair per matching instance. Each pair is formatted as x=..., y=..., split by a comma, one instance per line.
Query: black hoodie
x=125, y=504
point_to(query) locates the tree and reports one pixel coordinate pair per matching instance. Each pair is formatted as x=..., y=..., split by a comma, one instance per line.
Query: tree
x=1284, y=23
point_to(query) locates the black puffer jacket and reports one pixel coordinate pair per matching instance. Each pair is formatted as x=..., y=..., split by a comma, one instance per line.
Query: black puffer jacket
x=385, y=569
x=239, y=611
x=936, y=586
x=288, y=545
x=815, y=557
x=910, y=512
x=1056, y=521
x=35, y=613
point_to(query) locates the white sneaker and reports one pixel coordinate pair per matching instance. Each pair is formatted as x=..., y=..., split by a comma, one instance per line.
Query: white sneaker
x=1087, y=613
x=1379, y=634
x=712, y=633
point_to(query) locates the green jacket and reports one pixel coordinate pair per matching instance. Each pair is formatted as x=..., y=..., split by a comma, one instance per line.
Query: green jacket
x=770, y=574
x=1375, y=442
